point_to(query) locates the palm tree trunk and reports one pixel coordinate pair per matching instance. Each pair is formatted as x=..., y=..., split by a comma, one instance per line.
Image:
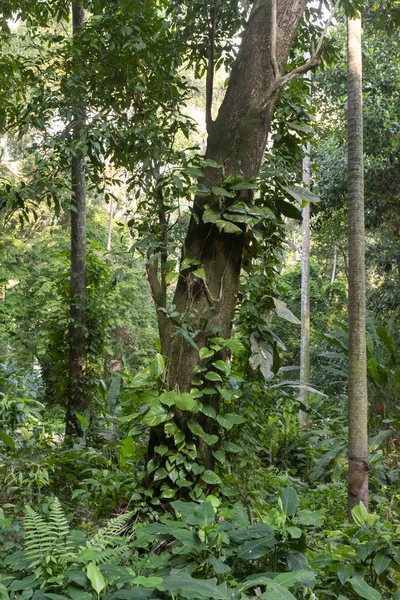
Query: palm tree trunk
x=358, y=401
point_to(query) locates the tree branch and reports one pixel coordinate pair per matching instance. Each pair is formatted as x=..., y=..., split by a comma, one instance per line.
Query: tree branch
x=156, y=288
x=311, y=63
x=274, y=62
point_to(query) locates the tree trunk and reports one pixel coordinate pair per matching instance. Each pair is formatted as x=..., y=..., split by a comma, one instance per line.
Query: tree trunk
x=305, y=297
x=237, y=140
x=358, y=401
x=110, y=224
x=77, y=398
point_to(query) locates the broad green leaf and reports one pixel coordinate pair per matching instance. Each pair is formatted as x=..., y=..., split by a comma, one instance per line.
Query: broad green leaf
x=210, y=439
x=222, y=366
x=148, y=582
x=294, y=532
x=210, y=477
x=381, y=563
x=220, y=456
x=27, y=583
x=219, y=567
x=161, y=450
x=189, y=262
x=210, y=216
x=205, y=352
x=113, y=392
x=193, y=172
x=196, y=428
x=200, y=273
x=204, y=514
x=209, y=411
x=182, y=584
x=235, y=346
x=212, y=376
x=168, y=398
x=219, y=191
x=155, y=415
x=183, y=483
x=344, y=572
x=287, y=580
x=257, y=548
x=387, y=339
x=157, y=366
x=228, y=227
x=186, y=402
x=7, y=440
x=209, y=162
x=284, y=313
x=232, y=447
x=288, y=210
x=197, y=469
x=290, y=501
x=245, y=185
x=301, y=194
x=95, y=577
x=364, y=590
x=160, y=474
x=229, y=420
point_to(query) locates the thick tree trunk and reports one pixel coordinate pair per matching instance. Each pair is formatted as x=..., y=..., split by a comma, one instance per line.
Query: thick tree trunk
x=305, y=297
x=237, y=140
x=77, y=399
x=358, y=401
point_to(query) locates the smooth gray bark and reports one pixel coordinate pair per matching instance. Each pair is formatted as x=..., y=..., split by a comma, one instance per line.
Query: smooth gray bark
x=305, y=297
x=358, y=400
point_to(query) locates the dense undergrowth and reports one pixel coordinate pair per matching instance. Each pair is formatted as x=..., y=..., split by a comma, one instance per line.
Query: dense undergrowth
x=78, y=523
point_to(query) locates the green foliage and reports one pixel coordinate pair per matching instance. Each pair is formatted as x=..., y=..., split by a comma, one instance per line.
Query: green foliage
x=53, y=554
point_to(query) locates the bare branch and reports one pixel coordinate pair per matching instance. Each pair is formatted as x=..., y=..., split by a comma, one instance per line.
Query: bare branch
x=274, y=62
x=312, y=62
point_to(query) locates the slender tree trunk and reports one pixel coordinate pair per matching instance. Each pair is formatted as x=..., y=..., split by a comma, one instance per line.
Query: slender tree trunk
x=358, y=401
x=333, y=277
x=305, y=297
x=77, y=398
x=110, y=224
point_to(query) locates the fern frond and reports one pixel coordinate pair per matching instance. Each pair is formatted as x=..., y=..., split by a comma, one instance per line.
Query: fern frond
x=58, y=522
x=108, y=534
x=39, y=536
x=110, y=555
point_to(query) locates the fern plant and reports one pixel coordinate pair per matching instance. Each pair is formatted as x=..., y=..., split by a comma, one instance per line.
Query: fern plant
x=50, y=550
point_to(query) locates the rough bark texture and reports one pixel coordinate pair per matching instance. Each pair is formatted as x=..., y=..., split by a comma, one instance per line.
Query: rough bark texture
x=305, y=297
x=358, y=401
x=77, y=338
x=236, y=139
